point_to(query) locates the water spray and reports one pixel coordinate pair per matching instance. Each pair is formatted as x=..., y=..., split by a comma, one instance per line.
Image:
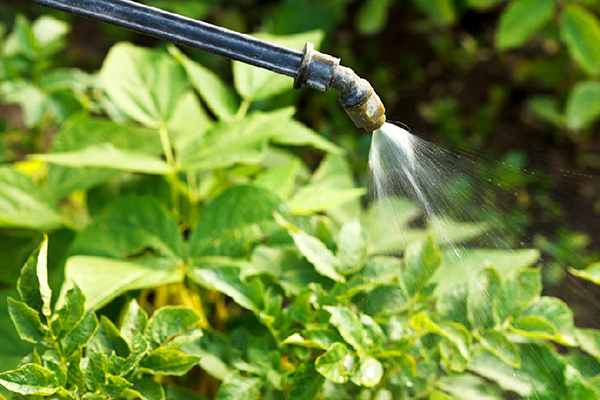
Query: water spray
x=307, y=67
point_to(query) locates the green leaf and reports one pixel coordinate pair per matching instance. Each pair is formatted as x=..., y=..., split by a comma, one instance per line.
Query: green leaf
x=498, y=344
x=168, y=322
x=310, y=199
x=145, y=84
x=96, y=371
x=148, y=389
x=305, y=383
x=79, y=134
x=227, y=280
x=468, y=387
x=81, y=334
x=589, y=341
x=369, y=373
x=72, y=312
x=349, y=325
x=520, y=290
x=583, y=105
x=30, y=380
x=233, y=221
x=547, y=109
x=421, y=261
x=139, y=349
x=385, y=300
x=236, y=387
x=294, y=133
x=258, y=84
x=23, y=204
x=103, y=279
x=228, y=143
x=137, y=229
x=108, y=340
x=33, y=281
x=135, y=320
x=336, y=364
x=219, y=98
x=482, y=291
x=280, y=180
x=580, y=30
x=455, y=333
x=482, y=4
x=352, y=247
x=491, y=367
x=12, y=348
x=189, y=122
x=521, y=20
x=547, y=318
x=169, y=362
x=291, y=270
x=115, y=386
x=460, y=267
x=107, y=156
x=372, y=16
x=27, y=322
x=317, y=254
x=335, y=177
x=591, y=273
x=441, y=12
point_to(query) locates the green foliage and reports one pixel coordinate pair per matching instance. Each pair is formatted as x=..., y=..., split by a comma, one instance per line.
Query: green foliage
x=205, y=249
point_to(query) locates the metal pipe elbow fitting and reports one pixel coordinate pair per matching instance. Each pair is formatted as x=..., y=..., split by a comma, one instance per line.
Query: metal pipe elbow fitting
x=357, y=97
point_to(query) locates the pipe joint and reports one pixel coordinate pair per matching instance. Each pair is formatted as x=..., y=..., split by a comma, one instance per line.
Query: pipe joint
x=357, y=97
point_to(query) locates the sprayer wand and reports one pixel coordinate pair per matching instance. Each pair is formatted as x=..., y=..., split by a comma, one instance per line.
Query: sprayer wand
x=308, y=67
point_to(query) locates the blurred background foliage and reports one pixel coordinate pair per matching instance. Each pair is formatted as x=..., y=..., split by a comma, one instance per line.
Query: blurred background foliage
x=515, y=83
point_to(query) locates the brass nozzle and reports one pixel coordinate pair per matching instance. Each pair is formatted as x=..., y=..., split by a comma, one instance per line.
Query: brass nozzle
x=359, y=100
x=357, y=97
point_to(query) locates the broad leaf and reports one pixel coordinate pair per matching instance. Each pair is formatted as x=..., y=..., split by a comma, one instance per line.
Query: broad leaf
x=548, y=318
x=227, y=280
x=421, y=261
x=468, y=387
x=580, y=30
x=591, y=273
x=583, y=105
x=520, y=290
x=460, y=267
x=228, y=143
x=145, y=84
x=107, y=156
x=480, y=300
x=135, y=320
x=336, y=364
x=148, y=389
x=23, y=204
x=81, y=334
x=27, y=322
x=521, y=20
x=440, y=12
x=33, y=281
x=256, y=83
x=169, y=322
x=294, y=133
x=30, y=380
x=352, y=247
x=237, y=387
x=280, y=180
x=317, y=254
x=219, y=98
x=368, y=373
x=349, y=325
x=589, y=341
x=103, y=279
x=305, y=383
x=233, y=221
x=169, y=362
x=79, y=134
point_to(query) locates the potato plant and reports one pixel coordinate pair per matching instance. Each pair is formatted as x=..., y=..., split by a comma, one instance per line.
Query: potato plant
x=194, y=254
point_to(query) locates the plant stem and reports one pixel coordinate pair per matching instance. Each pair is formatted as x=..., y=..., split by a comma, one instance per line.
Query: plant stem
x=170, y=156
x=243, y=110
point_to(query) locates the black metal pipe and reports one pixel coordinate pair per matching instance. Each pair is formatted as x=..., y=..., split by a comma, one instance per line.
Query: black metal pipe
x=176, y=28
x=308, y=67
